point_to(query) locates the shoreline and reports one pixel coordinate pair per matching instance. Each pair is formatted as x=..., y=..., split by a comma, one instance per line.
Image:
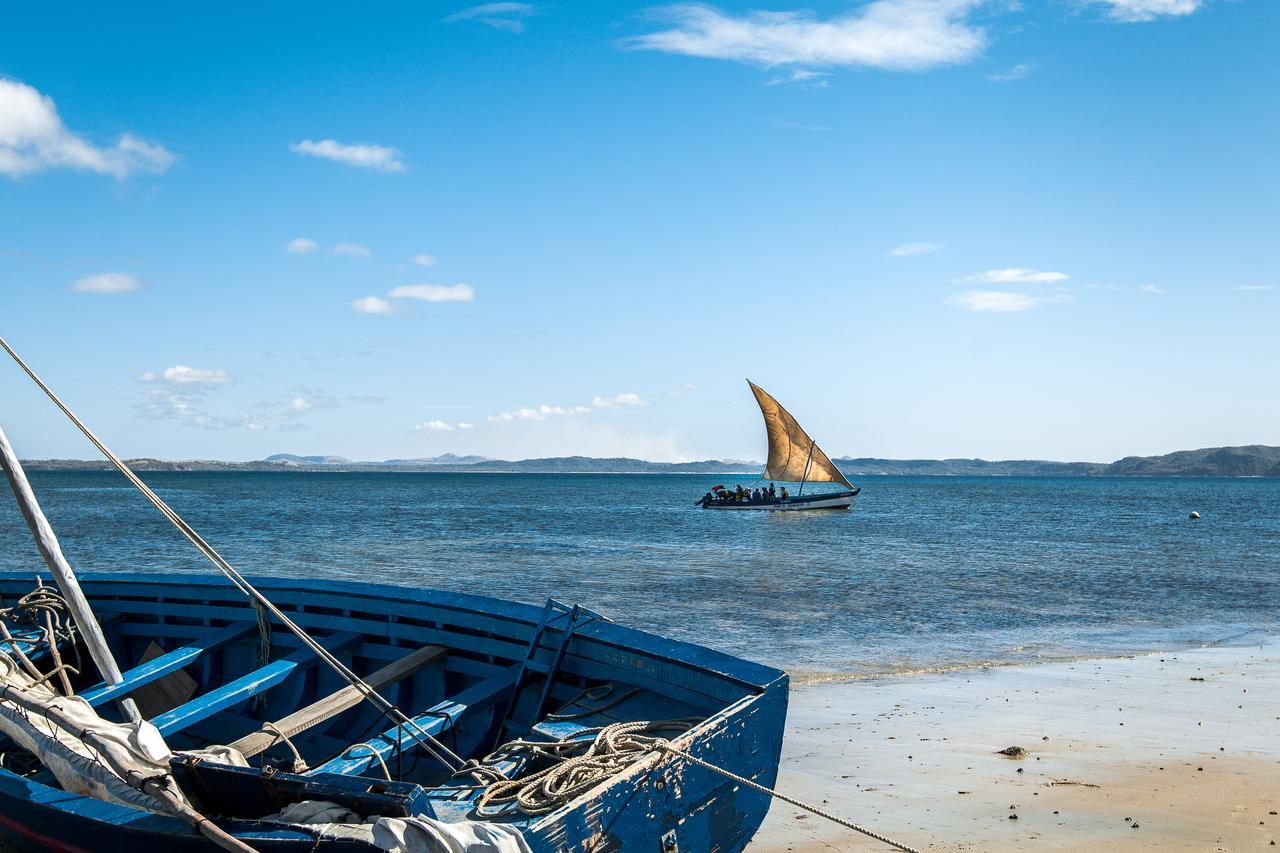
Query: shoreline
x=1184, y=744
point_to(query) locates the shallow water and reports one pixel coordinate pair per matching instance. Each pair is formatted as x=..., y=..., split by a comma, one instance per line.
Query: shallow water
x=922, y=573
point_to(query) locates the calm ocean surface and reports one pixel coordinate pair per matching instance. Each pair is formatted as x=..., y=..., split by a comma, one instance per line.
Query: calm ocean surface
x=924, y=572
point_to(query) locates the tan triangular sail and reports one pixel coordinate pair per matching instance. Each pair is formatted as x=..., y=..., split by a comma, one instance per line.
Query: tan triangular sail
x=793, y=455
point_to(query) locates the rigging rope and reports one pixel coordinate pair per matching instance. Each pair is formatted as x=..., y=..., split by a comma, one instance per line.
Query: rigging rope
x=437, y=749
x=584, y=763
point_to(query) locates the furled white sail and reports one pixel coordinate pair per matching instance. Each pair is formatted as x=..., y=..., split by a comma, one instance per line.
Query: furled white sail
x=793, y=456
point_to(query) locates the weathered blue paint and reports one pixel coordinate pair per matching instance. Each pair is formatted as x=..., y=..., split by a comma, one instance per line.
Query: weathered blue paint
x=460, y=700
x=165, y=664
x=245, y=687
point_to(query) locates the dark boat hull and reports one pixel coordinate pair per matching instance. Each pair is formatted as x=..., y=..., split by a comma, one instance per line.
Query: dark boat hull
x=828, y=500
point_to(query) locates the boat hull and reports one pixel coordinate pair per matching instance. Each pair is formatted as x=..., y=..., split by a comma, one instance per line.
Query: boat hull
x=657, y=801
x=831, y=500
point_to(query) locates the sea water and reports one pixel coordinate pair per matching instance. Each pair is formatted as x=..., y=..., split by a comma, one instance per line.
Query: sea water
x=922, y=573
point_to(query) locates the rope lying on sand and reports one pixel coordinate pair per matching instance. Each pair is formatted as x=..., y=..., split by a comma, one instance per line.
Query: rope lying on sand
x=584, y=763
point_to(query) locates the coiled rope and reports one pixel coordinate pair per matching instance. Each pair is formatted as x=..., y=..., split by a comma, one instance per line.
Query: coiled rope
x=586, y=762
x=583, y=764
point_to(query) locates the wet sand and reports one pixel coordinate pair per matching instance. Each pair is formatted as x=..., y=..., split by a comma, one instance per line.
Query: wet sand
x=1125, y=754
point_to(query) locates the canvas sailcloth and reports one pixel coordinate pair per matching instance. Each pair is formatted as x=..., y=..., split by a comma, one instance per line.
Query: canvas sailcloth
x=790, y=447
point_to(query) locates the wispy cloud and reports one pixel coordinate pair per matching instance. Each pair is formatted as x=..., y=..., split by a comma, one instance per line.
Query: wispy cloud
x=351, y=250
x=1135, y=11
x=802, y=77
x=443, y=426
x=1254, y=287
x=33, y=138
x=178, y=393
x=618, y=401
x=1004, y=302
x=1150, y=288
x=1017, y=72
x=509, y=17
x=424, y=260
x=181, y=374
x=186, y=408
x=107, y=283
x=907, y=250
x=1014, y=275
x=380, y=158
x=686, y=388
x=898, y=35
x=301, y=246
x=372, y=305
x=434, y=292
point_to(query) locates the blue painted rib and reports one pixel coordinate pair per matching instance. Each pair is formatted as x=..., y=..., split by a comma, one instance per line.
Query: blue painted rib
x=438, y=719
x=171, y=662
x=245, y=687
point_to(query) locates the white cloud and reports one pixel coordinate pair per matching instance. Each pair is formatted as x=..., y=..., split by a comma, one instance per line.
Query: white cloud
x=434, y=292
x=1014, y=275
x=380, y=158
x=1002, y=301
x=33, y=138
x=146, y=376
x=509, y=17
x=443, y=426
x=1017, y=72
x=1254, y=287
x=301, y=246
x=424, y=260
x=299, y=405
x=541, y=413
x=107, y=283
x=1132, y=11
x=1150, y=288
x=372, y=305
x=900, y=35
x=181, y=374
x=351, y=250
x=618, y=401
x=908, y=249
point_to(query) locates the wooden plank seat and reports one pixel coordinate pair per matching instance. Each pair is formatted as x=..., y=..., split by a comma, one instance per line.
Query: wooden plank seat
x=234, y=692
x=435, y=721
x=337, y=702
x=166, y=664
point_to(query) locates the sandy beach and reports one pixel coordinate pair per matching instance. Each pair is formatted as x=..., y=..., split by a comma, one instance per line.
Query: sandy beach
x=1170, y=751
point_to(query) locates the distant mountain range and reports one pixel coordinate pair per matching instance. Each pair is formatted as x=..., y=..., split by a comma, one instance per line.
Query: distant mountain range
x=1254, y=460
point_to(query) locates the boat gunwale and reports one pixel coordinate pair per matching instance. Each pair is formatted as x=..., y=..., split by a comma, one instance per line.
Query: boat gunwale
x=748, y=673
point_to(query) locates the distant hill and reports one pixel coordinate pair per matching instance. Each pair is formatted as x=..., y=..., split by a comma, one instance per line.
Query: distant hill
x=970, y=467
x=1254, y=460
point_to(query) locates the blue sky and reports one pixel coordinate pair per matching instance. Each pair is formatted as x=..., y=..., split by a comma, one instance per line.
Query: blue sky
x=930, y=227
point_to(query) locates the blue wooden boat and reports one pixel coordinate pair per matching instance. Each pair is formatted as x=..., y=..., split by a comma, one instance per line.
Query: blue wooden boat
x=472, y=671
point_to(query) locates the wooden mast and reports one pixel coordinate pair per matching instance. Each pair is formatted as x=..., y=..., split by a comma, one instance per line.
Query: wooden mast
x=47, y=542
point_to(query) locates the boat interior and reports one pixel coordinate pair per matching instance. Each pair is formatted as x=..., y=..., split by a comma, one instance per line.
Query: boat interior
x=473, y=673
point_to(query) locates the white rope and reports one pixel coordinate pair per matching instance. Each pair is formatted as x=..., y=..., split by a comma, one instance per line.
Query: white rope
x=416, y=732
x=666, y=746
x=346, y=753
x=299, y=765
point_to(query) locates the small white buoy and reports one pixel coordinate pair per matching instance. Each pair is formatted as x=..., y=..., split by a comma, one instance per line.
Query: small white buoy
x=1195, y=516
